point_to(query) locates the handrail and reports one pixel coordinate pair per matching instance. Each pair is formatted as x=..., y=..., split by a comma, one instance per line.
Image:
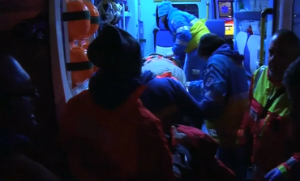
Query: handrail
x=264, y=14
x=207, y=10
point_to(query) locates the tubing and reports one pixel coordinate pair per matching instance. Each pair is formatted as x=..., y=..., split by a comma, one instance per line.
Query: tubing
x=264, y=13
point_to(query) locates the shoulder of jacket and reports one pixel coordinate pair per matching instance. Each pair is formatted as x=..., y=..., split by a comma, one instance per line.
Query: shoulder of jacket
x=144, y=114
x=217, y=59
x=260, y=69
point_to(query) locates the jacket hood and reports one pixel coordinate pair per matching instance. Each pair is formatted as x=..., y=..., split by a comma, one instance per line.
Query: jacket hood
x=111, y=92
x=164, y=8
x=234, y=55
x=146, y=77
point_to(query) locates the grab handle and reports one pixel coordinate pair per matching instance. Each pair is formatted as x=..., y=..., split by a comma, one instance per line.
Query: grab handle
x=207, y=10
x=264, y=13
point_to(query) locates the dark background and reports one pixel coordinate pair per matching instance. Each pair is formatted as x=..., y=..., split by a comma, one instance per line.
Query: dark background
x=34, y=57
x=36, y=60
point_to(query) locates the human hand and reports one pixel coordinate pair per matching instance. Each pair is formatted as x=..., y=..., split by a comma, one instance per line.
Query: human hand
x=178, y=138
x=187, y=85
x=274, y=175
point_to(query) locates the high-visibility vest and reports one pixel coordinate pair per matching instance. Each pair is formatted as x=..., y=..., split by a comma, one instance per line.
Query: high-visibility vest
x=198, y=29
x=263, y=89
x=271, y=144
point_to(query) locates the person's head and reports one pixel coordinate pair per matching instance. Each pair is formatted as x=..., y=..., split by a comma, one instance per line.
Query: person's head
x=116, y=52
x=208, y=44
x=291, y=81
x=284, y=49
x=163, y=10
x=16, y=97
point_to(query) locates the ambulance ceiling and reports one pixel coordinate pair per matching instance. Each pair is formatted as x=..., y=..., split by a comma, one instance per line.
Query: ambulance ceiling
x=190, y=8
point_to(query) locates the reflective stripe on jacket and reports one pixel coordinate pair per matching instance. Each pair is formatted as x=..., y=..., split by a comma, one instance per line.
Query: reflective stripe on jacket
x=271, y=135
x=188, y=30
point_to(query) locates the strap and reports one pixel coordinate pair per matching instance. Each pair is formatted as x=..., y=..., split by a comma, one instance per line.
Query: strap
x=95, y=19
x=156, y=55
x=78, y=66
x=270, y=101
x=76, y=16
x=268, y=104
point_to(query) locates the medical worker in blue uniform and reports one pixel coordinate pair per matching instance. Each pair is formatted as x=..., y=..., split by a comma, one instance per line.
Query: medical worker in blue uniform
x=223, y=94
x=188, y=30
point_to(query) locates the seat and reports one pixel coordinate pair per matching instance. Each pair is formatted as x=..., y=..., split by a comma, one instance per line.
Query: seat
x=241, y=41
x=251, y=54
x=163, y=40
x=216, y=26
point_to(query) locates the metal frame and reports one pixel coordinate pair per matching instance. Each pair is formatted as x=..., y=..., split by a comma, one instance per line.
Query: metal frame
x=62, y=91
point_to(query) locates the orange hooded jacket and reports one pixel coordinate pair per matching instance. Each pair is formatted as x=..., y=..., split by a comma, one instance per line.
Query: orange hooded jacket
x=123, y=144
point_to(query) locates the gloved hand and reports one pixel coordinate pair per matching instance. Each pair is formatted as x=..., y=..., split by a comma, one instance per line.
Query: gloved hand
x=178, y=138
x=274, y=175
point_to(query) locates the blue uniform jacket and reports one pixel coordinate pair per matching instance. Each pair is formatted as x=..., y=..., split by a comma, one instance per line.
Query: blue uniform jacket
x=179, y=24
x=224, y=77
x=161, y=93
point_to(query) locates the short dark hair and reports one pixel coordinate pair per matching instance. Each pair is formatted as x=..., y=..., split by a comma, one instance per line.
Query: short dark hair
x=292, y=74
x=289, y=36
x=208, y=44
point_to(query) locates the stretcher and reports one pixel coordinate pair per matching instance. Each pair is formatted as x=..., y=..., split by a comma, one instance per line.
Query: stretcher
x=164, y=66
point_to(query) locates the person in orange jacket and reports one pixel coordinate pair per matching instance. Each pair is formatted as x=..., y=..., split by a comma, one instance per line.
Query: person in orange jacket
x=291, y=168
x=266, y=128
x=203, y=148
x=106, y=132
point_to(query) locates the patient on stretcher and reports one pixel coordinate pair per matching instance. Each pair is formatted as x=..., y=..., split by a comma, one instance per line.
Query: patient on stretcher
x=168, y=100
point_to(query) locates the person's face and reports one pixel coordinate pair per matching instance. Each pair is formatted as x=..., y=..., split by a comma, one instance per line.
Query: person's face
x=281, y=54
x=18, y=103
x=19, y=111
x=164, y=20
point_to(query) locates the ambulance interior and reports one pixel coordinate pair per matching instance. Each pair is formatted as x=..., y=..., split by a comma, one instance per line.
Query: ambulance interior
x=238, y=19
